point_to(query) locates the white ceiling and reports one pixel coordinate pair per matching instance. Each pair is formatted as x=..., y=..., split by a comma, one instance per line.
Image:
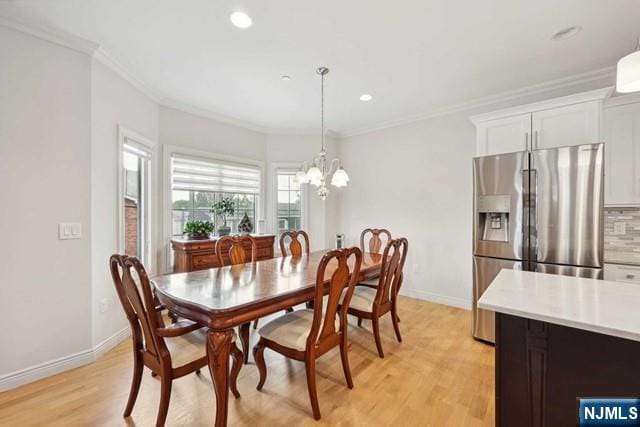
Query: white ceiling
x=413, y=56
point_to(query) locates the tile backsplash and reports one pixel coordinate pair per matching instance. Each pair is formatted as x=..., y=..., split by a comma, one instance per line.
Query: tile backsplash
x=622, y=235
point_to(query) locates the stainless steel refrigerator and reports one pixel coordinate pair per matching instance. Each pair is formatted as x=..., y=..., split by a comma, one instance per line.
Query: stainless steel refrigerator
x=539, y=210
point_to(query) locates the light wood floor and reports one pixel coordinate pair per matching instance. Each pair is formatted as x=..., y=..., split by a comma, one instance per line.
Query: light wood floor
x=438, y=376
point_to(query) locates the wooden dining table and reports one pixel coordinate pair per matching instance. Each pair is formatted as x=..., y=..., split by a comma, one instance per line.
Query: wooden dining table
x=226, y=297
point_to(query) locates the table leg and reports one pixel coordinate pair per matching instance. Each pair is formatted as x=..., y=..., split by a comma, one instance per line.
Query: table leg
x=244, y=339
x=218, y=351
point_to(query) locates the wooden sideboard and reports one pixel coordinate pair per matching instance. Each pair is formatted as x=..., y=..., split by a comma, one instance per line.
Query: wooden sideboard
x=191, y=255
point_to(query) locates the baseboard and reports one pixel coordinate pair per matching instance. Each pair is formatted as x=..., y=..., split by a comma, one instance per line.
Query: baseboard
x=62, y=364
x=112, y=341
x=437, y=298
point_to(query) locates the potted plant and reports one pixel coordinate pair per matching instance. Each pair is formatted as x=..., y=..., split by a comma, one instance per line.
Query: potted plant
x=223, y=208
x=195, y=229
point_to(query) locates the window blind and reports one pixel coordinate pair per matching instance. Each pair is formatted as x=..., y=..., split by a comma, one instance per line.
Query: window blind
x=196, y=174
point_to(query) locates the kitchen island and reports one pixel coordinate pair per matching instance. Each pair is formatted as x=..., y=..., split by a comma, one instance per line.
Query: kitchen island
x=559, y=338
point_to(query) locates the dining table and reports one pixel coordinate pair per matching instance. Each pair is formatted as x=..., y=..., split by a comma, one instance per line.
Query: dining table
x=233, y=296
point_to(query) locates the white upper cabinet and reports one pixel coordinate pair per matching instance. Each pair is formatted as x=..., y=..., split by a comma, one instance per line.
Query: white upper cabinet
x=570, y=125
x=502, y=135
x=622, y=153
x=569, y=120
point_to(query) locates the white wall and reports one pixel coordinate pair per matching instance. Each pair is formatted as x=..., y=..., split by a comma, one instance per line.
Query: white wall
x=114, y=102
x=202, y=133
x=415, y=180
x=45, y=170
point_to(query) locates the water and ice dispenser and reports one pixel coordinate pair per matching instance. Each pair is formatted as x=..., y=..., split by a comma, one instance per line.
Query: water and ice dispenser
x=493, y=221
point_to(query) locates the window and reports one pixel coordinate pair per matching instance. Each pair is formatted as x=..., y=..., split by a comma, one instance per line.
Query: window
x=289, y=204
x=197, y=183
x=135, y=196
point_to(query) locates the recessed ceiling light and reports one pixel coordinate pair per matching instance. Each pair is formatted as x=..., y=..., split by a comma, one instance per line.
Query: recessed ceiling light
x=566, y=33
x=366, y=97
x=285, y=78
x=241, y=19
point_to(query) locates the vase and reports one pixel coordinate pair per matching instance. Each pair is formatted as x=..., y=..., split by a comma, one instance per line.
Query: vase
x=224, y=230
x=245, y=226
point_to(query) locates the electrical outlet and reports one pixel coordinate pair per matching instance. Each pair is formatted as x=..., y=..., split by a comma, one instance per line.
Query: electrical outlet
x=104, y=305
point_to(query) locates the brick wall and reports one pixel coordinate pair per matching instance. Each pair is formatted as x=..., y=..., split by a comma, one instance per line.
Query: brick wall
x=131, y=228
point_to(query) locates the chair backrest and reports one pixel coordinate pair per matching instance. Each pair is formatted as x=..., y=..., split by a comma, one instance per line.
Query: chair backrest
x=323, y=328
x=236, y=252
x=375, y=242
x=393, y=258
x=138, y=302
x=295, y=248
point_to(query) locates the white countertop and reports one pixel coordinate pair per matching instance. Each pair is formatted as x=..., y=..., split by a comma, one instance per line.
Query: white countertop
x=610, y=308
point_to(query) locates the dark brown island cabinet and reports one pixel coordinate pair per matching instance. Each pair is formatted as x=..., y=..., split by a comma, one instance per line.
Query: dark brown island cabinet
x=559, y=339
x=192, y=255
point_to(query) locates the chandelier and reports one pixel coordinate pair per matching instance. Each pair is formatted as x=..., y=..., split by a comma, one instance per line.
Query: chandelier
x=319, y=169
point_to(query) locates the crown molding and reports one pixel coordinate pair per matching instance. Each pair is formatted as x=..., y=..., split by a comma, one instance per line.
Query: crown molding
x=102, y=56
x=511, y=95
x=209, y=114
x=622, y=99
x=302, y=132
x=58, y=37
x=592, y=95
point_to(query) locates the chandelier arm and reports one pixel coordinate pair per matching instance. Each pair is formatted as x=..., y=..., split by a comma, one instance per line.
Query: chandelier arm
x=335, y=163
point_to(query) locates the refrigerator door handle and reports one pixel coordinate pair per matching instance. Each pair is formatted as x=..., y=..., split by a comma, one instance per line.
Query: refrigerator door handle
x=529, y=234
x=535, y=137
x=533, y=215
x=526, y=141
x=525, y=217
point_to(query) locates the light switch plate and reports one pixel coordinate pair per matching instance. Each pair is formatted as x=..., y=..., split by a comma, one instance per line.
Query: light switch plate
x=69, y=230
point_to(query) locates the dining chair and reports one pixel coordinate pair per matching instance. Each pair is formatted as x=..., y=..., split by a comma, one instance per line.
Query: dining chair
x=307, y=334
x=295, y=247
x=373, y=245
x=375, y=242
x=374, y=301
x=168, y=351
x=236, y=253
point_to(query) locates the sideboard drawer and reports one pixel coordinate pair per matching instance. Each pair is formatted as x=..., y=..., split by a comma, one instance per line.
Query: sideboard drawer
x=264, y=253
x=190, y=255
x=204, y=261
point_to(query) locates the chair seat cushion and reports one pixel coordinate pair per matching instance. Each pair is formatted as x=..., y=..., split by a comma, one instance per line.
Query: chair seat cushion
x=370, y=282
x=292, y=329
x=362, y=298
x=189, y=347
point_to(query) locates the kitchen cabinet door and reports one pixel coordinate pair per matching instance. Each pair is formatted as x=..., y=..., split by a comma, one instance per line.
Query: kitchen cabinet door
x=504, y=135
x=622, y=154
x=569, y=125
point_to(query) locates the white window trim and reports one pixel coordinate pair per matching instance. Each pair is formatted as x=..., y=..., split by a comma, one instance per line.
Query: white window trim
x=304, y=194
x=128, y=134
x=167, y=152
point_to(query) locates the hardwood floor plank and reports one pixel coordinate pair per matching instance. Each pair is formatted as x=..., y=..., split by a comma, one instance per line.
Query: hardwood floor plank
x=438, y=376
